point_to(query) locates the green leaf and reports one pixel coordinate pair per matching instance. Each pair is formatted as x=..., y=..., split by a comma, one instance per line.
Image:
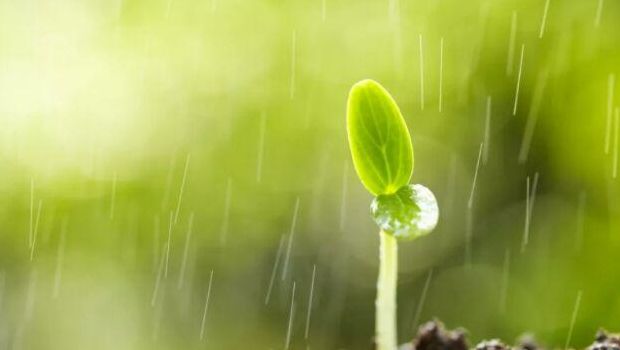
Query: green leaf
x=378, y=137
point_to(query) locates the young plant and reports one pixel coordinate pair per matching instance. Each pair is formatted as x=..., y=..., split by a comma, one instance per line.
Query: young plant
x=383, y=157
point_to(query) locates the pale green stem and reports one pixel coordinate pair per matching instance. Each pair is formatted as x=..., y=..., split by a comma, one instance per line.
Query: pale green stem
x=385, y=317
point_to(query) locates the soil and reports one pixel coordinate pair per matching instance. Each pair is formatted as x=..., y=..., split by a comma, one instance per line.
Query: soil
x=434, y=336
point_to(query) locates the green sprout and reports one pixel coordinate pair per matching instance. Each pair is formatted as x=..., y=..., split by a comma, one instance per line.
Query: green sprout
x=383, y=157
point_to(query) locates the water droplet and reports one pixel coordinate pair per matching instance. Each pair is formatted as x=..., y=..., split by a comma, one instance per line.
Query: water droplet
x=408, y=213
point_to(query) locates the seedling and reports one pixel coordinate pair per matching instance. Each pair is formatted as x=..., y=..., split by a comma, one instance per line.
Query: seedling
x=383, y=157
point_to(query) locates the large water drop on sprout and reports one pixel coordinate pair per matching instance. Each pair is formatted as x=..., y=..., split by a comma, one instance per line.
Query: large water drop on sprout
x=408, y=213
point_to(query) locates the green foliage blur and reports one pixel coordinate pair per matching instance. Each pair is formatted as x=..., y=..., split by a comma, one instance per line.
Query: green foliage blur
x=127, y=124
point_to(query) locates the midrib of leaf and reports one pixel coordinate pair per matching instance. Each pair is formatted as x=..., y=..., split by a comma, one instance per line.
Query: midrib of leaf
x=374, y=143
x=398, y=139
x=383, y=140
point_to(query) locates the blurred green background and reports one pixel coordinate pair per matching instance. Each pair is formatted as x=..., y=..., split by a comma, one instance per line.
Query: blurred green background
x=128, y=124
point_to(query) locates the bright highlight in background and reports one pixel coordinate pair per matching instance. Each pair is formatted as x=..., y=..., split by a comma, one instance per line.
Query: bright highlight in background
x=145, y=144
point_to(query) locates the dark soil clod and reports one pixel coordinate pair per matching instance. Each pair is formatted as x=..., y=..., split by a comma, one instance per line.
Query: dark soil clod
x=493, y=344
x=605, y=341
x=434, y=336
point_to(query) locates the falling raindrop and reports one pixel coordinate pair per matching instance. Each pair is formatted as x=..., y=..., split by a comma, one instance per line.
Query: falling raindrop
x=615, y=160
x=275, y=269
x=176, y=213
x=532, y=117
x=514, y=108
x=36, y=229
x=31, y=225
x=60, y=258
x=293, y=63
x=611, y=82
x=289, y=246
x=581, y=216
x=168, y=245
x=511, y=44
x=470, y=202
x=487, y=132
x=206, y=308
x=441, y=74
x=343, y=199
x=599, y=13
x=261, y=147
x=543, y=22
x=291, y=317
x=422, y=300
x=113, y=196
x=573, y=319
x=421, y=74
x=158, y=278
x=310, y=300
x=503, y=297
x=529, y=207
x=186, y=251
x=226, y=220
